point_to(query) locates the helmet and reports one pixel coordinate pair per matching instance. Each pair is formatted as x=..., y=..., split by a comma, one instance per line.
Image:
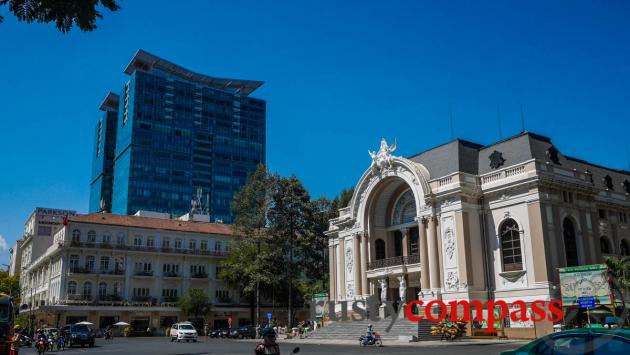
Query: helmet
x=268, y=331
x=369, y=325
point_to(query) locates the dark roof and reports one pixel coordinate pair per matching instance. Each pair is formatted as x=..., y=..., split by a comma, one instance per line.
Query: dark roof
x=464, y=156
x=146, y=61
x=110, y=102
x=153, y=223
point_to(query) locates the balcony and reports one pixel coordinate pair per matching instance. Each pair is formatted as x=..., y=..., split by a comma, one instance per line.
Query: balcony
x=172, y=299
x=112, y=272
x=395, y=261
x=199, y=275
x=171, y=274
x=143, y=299
x=144, y=273
x=149, y=249
x=81, y=270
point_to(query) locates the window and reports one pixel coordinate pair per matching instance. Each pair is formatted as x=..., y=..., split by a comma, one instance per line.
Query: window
x=116, y=289
x=178, y=243
x=137, y=241
x=511, y=246
x=564, y=345
x=570, y=246
x=398, y=243
x=44, y=230
x=107, y=238
x=217, y=245
x=602, y=214
x=567, y=196
x=141, y=292
x=624, y=249
x=87, y=289
x=221, y=294
x=76, y=235
x=203, y=245
x=150, y=241
x=192, y=244
x=379, y=248
x=104, y=263
x=74, y=262
x=120, y=239
x=405, y=209
x=72, y=288
x=91, y=236
x=169, y=292
x=166, y=243
x=102, y=290
x=604, y=246
x=89, y=263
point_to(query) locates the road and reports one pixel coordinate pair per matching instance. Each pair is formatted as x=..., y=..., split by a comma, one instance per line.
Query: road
x=159, y=346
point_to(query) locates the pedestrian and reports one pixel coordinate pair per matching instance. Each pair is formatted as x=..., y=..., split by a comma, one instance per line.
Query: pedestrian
x=206, y=328
x=268, y=346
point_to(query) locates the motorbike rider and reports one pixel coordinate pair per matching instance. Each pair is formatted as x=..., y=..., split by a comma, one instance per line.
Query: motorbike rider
x=369, y=334
x=268, y=346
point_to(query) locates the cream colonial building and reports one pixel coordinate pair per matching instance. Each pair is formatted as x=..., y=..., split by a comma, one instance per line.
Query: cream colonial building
x=106, y=268
x=464, y=221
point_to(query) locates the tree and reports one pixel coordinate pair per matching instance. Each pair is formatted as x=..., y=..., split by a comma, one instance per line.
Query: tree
x=9, y=284
x=619, y=270
x=247, y=267
x=65, y=13
x=194, y=303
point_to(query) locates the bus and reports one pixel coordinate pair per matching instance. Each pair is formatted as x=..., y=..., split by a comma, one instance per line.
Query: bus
x=7, y=321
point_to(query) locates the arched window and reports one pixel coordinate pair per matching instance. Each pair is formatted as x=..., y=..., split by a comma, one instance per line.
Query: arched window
x=604, y=246
x=379, y=248
x=87, y=289
x=405, y=209
x=624, y=249
x=91, y=236
x=570, y=245
x=102, y=290
x=76, y=235
x=511, y=246
x=72, y=288
x=107, y=238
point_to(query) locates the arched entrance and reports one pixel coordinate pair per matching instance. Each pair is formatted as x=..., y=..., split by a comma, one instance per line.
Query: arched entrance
x=570, y=243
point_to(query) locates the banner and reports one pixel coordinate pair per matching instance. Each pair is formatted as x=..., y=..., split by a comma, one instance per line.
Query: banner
x=585, y=281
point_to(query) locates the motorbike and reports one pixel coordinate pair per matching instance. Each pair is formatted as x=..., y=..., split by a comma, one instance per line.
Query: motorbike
x=25, y=341
x=109, y=335
x=51, y=344
x=375, y=340
x=61, y=343
x=40, y=345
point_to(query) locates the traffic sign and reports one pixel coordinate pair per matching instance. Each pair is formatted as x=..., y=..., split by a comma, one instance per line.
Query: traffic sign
x=269, y=315
x=586, y=302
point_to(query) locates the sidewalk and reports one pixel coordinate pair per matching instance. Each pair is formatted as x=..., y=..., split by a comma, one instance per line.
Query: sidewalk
x=400, y=343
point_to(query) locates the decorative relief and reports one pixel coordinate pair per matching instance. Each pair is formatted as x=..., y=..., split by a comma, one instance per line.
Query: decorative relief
x=450, y=243
x=349, y=260
x=511, y=279
x=451, y=281
x=349, y=290
x=496, y=159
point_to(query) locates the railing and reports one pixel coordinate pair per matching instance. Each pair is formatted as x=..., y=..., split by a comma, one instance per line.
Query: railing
x=395, y=261
x=502, y=174
x=144, y=273
x=170, y=274
x=199, y=275
x=141, y=299
x=445, y=181
x=81, y=270
x=216, y=253
x=173, y=299
x=112, y=272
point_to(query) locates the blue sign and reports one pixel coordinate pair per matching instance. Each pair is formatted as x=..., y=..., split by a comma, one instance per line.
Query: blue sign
x=269, y=315
x=586, y=302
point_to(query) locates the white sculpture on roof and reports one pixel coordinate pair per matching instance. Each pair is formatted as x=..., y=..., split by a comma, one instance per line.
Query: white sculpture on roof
x=383, y=156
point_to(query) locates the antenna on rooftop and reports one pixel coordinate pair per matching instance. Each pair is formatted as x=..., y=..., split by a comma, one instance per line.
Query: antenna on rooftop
x=522, y=119
x=451, y=117
x=499, y=121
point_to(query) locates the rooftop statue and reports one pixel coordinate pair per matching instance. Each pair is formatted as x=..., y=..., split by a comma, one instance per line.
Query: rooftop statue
x=383, y=156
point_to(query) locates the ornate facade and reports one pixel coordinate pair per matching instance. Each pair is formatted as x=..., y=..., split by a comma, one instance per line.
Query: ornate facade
x=464, y=221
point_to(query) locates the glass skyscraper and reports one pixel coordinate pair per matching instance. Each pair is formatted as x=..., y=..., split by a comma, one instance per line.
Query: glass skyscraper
x=177, y=132
x=104, y=153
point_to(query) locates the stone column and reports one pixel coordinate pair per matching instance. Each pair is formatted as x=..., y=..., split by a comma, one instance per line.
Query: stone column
x=405, y=241
x=332, y=270
x=434, y=262
x=424, y=256
x=341, y=266
x=356, y=251
x=364, y=264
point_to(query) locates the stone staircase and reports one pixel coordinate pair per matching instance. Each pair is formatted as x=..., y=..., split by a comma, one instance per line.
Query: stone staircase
x=401, y=329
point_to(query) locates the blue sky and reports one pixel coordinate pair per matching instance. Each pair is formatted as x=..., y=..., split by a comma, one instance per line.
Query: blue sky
x=338, y=76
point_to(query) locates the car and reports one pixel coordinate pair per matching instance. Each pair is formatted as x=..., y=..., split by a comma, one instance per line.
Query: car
x=79, y=334
x=243, y=332
x=592, y=341
x=183, y=331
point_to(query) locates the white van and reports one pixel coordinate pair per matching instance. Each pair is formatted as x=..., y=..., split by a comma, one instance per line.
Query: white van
x=183, y=331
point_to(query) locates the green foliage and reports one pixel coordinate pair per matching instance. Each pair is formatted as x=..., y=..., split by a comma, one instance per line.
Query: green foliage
x=9, y=284
x=64, y=14
x=619, y=269
x=194, y=303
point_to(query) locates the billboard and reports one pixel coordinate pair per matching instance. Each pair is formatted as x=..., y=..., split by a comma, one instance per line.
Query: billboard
x=585, y=281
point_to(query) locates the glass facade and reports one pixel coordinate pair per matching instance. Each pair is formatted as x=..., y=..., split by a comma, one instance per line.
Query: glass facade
x=176, y=134
x=102, y=179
